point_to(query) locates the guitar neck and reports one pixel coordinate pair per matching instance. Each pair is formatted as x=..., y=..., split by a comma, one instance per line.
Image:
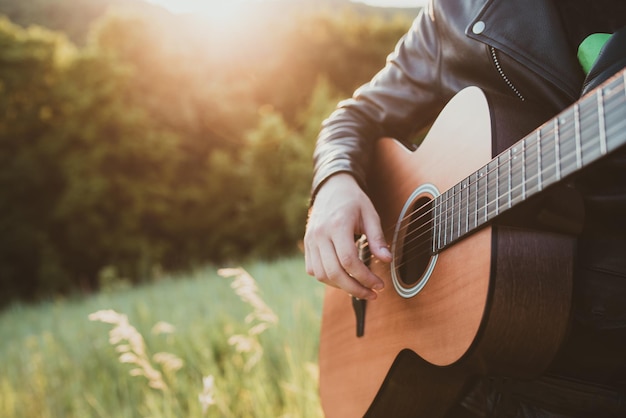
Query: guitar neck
x=582, y=134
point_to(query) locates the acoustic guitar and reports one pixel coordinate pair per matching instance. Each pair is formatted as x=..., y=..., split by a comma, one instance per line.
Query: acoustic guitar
x=465, y=294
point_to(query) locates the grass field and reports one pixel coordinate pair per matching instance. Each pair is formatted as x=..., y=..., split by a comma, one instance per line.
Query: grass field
x=191, y=347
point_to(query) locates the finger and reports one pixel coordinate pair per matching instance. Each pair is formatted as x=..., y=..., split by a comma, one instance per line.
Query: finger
x=347, y=254
x=310, y=258
x=313, y=264
x=375, y=237
x=338, y=276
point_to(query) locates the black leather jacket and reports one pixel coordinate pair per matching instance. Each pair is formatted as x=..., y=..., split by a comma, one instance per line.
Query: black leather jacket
x=513, y=47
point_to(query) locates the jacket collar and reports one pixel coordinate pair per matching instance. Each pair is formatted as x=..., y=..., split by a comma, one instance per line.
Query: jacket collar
x=512, y=25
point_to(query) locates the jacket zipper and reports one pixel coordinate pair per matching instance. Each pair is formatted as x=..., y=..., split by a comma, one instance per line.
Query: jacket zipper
x=504, y=77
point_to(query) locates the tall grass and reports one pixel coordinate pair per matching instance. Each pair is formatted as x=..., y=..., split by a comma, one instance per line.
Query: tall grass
x=56, y=362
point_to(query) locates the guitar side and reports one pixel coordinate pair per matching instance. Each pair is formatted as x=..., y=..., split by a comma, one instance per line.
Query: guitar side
x=417, y=354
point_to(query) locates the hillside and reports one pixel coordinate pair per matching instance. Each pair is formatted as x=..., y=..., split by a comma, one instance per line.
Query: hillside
x=75, y=17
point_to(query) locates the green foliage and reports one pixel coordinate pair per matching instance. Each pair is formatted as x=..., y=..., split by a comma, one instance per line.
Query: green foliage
x=278, y=157
x=74, y=17
x=29, y=177
x=346, y=48
x=161, y=143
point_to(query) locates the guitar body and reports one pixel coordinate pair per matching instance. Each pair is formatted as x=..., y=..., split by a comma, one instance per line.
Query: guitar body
x=496, y=302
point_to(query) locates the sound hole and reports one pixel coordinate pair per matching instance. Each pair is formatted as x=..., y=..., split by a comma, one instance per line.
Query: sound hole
x=416, y=248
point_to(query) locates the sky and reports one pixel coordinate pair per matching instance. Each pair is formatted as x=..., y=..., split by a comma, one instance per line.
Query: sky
x=212, y=6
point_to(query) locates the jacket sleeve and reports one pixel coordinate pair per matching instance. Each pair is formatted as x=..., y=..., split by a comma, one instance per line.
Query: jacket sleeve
x=402, y=98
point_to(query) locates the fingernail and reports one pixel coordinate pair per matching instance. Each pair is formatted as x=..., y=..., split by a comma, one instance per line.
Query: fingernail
x=386, y=252
x=379, y=286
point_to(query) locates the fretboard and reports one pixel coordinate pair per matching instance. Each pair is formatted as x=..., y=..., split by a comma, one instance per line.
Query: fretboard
x=582, y=134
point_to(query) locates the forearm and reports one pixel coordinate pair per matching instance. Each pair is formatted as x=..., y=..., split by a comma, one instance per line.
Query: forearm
x=400, y=99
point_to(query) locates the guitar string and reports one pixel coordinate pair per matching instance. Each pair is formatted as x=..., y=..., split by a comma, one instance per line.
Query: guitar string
x=490, y=213
x=414, y=235
x=508, y=161
x=425, y=247
x=530, y=137
x=462, y=223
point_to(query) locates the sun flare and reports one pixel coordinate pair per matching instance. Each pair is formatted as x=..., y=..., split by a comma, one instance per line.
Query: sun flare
x=216, y=10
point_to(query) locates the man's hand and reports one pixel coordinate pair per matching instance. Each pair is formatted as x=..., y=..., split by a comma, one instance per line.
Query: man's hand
x=341, y=211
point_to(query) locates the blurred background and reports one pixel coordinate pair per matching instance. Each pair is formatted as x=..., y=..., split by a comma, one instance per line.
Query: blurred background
x=144, y=145
x=137, y=139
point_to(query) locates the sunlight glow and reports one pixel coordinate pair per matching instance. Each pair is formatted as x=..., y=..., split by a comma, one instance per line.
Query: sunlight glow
x=394, y=3
x=226, y=18
x=218, y=9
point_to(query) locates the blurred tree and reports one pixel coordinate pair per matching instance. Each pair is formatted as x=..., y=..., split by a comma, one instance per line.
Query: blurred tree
x=84, y=175
x=29, y=178
x=277, y=162
x=73, y=17
x=118, y=167
x=161, y=142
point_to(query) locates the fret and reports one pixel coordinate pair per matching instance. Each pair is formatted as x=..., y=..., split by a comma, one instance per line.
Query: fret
x=482, y=196
x=523, y=169
x=440, y=221
x=539, y=187
x=456, y=201
x=469, y=209
x=566, y=153
x=435, y=224
x=531, y=163
x=503, y=196
x=548, y=166
x=445, y=218
x=557, y=159
x=454, y=212
x=468, y=199
x=463, y=212
x=433, y=221
x=516, y=174
x=446, y=215
x=460, y=210
x=496, y=190
x=615, y=113
x=589, y=131
x=492, y=189
x=579, y=155
x=601, y=124
x=437, y=218
x=510, y=179
x=452, y=215
x=473, y=202
x=485, y=181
